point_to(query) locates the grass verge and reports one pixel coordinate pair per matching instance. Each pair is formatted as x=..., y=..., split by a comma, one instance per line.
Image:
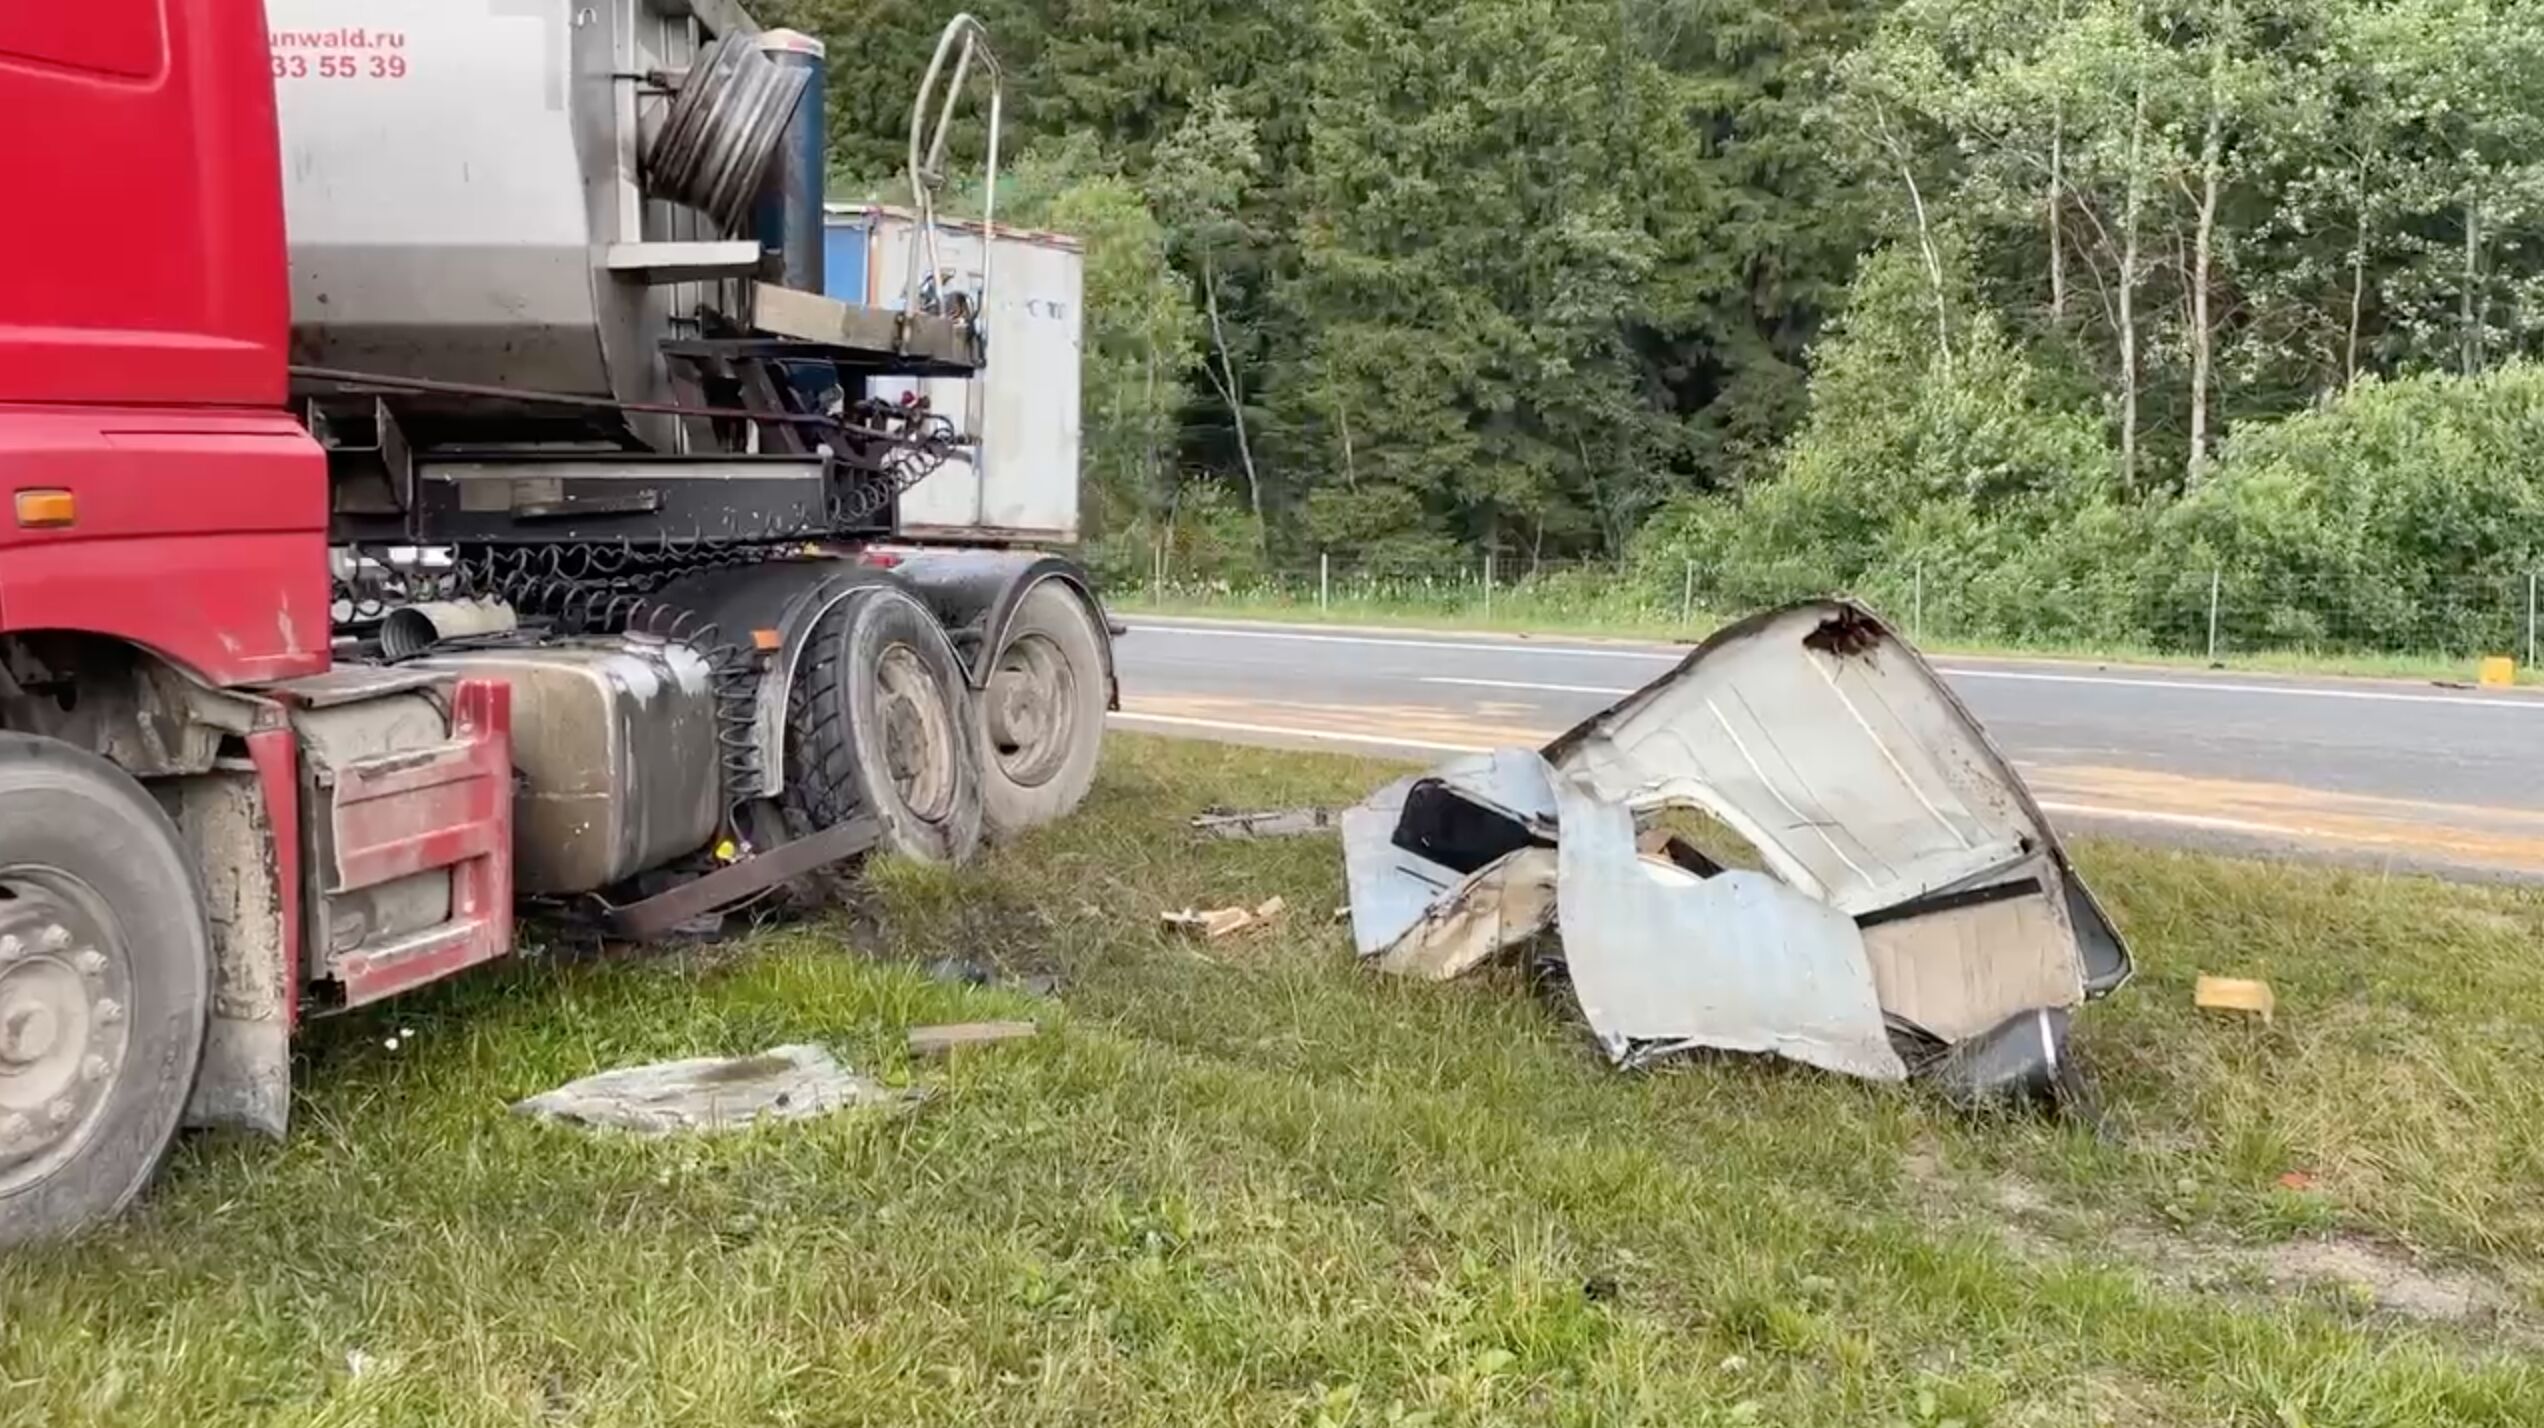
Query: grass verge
x=1249, y=1182
x=1519, y=615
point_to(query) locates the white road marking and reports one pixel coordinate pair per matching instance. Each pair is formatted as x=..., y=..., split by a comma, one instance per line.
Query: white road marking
x=1385, y=741
x=1954, y=672
x=1286, y=731
x=1462, y=646
x=2191, y=684
x=2212, y=686
x=1521, y=684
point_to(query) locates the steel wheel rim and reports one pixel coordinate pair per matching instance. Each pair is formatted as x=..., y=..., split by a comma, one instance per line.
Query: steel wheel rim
x=1033, y=710
x=918, y=733
x=65, y=1018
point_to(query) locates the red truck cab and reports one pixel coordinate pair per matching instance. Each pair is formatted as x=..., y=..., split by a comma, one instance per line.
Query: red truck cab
x=165, y=629
x=161, y=495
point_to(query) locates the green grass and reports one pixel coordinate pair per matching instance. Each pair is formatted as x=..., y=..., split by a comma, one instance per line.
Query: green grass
x=1250, y=1182
x=1517, y=613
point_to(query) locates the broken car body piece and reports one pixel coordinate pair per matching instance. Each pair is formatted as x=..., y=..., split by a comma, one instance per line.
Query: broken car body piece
x=1437, y=865
x=1869, y=792
x=1663, y=960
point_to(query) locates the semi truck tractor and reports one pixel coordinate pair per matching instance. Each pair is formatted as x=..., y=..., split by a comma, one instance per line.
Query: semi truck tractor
x=441, y=487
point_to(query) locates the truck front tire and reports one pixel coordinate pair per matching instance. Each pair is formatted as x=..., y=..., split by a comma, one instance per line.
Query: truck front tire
x=105, y=985
x=1040, y=722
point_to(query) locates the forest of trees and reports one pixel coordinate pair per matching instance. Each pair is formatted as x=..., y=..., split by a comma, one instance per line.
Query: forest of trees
x=2064, y=295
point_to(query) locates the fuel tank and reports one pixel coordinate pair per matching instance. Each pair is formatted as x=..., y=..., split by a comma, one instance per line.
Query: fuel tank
x=614, y=742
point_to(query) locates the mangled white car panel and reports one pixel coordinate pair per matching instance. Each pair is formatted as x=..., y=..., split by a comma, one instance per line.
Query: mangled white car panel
x=1913, y=876
x=1832, y=746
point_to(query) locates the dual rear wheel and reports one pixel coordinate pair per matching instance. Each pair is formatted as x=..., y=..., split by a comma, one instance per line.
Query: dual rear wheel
x=882, y=720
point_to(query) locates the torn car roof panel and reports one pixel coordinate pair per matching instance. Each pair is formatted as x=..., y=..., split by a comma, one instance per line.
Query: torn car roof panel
x=1912, y=881
x=1855, y=773
x=1830, y=744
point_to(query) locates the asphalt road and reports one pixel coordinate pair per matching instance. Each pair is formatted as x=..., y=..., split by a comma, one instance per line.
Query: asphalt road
x=2414, y=777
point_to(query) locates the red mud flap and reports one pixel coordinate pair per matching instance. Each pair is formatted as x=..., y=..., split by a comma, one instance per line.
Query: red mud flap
x=447, y=805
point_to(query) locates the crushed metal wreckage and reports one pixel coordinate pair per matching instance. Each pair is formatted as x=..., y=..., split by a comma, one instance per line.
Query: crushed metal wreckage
x=1912, y=912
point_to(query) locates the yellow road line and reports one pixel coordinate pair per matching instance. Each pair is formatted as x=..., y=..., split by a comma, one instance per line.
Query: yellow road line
x=2454, y=832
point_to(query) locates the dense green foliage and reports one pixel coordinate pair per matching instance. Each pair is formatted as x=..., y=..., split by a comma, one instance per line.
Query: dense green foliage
x=2092, y=295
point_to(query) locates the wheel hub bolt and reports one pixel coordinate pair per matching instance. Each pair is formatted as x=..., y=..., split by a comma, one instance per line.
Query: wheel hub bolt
x=60, y=1112
x=90, y=962
x=13, y=1129
x=54, y=938
x=93, y=1068
x=12, y=947
x=109, y=1011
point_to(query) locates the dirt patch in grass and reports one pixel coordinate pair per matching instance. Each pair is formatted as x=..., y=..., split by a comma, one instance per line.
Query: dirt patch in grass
x=2352, y=1270
x=2395, y=1283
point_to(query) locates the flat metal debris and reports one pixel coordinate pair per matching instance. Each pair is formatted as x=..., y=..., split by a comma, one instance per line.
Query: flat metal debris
x=713, y=1093
x=1420, y=842
x=942, y=1040
x=1265, y=823
x=1914, y=898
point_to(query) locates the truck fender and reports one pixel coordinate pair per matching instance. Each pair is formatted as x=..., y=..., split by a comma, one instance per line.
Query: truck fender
x=242, y=827
x=975, y=595
x=788, y=598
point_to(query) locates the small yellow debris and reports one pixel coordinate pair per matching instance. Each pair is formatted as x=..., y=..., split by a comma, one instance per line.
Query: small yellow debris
x=726, y=850
x=1219, y=922
x=2499, y=672
x=2235, y=994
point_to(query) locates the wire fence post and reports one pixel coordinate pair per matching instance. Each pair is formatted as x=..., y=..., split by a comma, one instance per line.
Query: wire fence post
x=1157, y=574
x=1687, y=597
x=2216, y=577
x=1488, y=584
x=1324, y=579
x=1917, y=604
